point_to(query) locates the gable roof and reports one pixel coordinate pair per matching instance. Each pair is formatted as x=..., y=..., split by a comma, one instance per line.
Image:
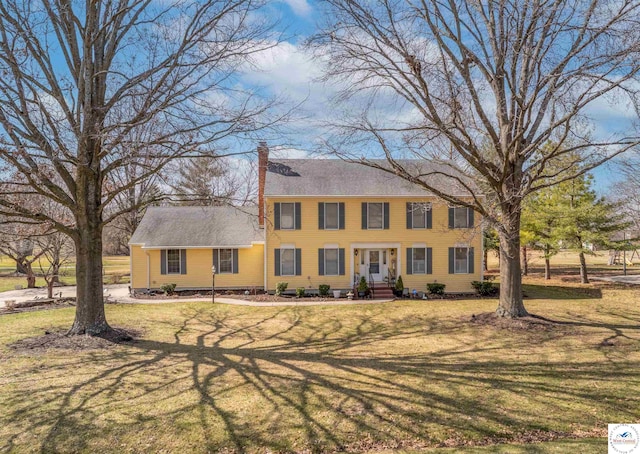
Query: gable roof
x=335, y=177
x=197, y=226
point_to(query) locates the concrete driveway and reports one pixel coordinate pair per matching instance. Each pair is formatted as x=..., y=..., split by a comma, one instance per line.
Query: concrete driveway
x=116, y=291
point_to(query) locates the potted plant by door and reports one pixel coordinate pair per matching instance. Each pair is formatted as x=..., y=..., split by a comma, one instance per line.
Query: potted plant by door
x=363, y=287
x=399, y=287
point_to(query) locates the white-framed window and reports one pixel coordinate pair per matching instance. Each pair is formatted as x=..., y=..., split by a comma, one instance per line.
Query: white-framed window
x=173, y=261
x=419, y=213
x=460, y=217
x=461, y=260
x=331, y=216
x=419, y=264
x=375, y=215
x=287, y=216
x=287, y=262
x=331, y=262
x=225, y=257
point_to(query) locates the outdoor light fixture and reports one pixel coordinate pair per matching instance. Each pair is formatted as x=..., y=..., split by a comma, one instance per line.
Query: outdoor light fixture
x=393, y=252
x=213, y=284
x=355, y=251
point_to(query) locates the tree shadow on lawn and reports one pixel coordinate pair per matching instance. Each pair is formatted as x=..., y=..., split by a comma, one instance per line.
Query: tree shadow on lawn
x=279, y=383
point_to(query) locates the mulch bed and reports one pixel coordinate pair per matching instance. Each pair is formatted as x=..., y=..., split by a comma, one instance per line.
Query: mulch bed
x=60, y=340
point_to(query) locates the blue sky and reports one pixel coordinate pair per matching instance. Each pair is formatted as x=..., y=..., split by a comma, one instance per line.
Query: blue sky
x=290, y=72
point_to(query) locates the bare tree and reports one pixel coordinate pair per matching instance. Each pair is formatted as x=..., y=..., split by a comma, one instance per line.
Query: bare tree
x=479, y=88
x=17, y=243
x=79, y=78
x=57, y=251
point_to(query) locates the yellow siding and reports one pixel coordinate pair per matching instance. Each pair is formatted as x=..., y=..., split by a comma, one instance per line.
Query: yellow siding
x=310, y=238
x=199, y=261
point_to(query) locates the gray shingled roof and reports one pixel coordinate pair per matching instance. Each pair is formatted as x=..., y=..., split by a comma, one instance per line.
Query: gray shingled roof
x=198, y=227
x=334, y=177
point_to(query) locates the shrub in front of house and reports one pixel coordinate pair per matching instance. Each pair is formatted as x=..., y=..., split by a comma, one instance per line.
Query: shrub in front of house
x=281, y=287
x=168, y=289
x=323, y=289
x=485, y=287
x=436, y=288
x=300, y=292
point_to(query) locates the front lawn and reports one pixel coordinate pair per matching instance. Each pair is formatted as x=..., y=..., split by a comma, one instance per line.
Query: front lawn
x=408, y=376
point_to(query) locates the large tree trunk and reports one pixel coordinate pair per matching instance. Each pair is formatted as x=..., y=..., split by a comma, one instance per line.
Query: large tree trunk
x=90, y=316
x=525, y=261
x=547, y=268
x=583, y=269
x=510, y=304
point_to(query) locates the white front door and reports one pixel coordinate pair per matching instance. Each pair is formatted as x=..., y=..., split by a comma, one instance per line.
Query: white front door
x=375, y=264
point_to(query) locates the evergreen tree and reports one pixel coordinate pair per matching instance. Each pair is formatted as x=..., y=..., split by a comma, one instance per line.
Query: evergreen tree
x=586, y=220
x=541, y=222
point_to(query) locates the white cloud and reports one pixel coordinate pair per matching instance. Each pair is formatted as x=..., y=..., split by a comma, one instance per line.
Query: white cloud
x=299, y=7
x=288, y=153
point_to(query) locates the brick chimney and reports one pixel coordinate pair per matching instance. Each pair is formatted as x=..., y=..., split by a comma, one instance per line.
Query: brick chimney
x=263, y=158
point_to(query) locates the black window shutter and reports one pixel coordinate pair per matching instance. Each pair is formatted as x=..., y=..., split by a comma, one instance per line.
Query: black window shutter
x=276, y=261
x=452, y=255
x=320, y=262
x=451, y=224
x=386, y=215
x=429, y=261
x=341, y=215
x=235, y=261
x=409, y=260
x=470, y=217
x=471, y=261
x=409, y=215
x=321, y=215
x=216, y=263
x=276, y=216
x=298, y=263
x=430, y=218
x=163, y=262
x=183, y=261
x=298, y=213
x=364, y=216
x=341, y=261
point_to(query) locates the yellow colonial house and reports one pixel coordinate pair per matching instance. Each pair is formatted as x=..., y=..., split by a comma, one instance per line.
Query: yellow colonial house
x=318, y=221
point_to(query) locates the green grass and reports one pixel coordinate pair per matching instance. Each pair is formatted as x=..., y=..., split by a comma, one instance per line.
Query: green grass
x=115, y=268
x=407, y=376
